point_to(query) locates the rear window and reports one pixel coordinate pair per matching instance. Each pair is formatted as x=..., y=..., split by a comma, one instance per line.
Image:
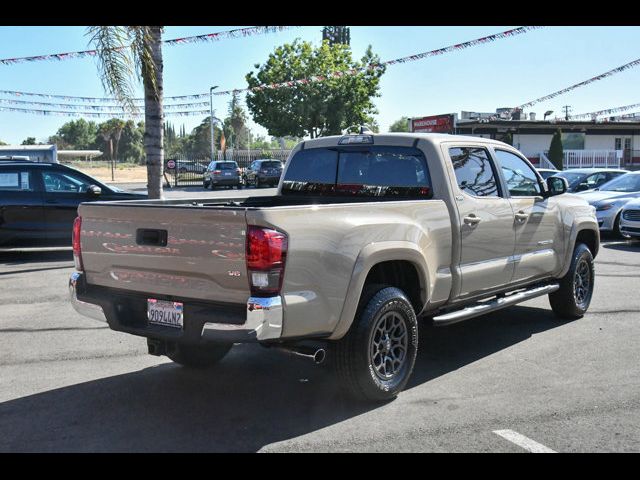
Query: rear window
x=374, y=171
x=273, y=164
x=227, y=165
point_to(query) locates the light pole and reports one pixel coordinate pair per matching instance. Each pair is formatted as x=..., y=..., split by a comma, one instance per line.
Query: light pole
x=213, y=143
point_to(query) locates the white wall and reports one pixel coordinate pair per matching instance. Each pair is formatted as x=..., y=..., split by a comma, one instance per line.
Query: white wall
x=531, y=145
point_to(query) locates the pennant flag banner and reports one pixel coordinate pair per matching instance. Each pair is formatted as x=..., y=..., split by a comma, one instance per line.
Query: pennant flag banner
x=619, y=69
x=304, y=81
x=96, y=114
x=209, y=37
x=608, y=111
x=66, y=106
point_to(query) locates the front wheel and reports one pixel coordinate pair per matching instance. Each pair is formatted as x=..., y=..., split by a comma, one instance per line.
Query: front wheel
x=572, y=300
x=375, y=359
x=199, y=356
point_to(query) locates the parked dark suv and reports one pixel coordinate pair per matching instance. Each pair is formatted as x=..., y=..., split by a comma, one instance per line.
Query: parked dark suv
x=263, y=172
x=39, y=201
x=222, y=173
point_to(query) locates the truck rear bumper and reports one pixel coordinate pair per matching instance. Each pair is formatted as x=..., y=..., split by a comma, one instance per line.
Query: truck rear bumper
x=261, y=321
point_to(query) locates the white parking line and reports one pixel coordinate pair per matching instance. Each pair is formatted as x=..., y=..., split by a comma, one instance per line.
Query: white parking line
x=524, y=442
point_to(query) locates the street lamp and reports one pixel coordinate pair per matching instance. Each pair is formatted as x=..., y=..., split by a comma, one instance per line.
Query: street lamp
x=213, y=143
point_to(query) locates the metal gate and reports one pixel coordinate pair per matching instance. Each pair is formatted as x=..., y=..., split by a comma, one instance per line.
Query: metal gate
x=184, y=171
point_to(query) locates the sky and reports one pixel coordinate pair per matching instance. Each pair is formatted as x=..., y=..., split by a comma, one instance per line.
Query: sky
x=503, y=73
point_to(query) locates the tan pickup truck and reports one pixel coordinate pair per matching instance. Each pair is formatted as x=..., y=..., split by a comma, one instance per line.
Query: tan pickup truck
x=366, y=234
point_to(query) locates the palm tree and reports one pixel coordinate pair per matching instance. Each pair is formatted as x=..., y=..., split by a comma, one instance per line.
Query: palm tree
x=125, y=52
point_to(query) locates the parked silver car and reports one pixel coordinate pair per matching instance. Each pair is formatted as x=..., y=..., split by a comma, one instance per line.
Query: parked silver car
x=630, y=219
x=547, y=172
x=611, y=197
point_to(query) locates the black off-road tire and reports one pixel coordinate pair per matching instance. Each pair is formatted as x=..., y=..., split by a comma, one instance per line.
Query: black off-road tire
x=199, y=356
x=354, y=361
x=572, y=300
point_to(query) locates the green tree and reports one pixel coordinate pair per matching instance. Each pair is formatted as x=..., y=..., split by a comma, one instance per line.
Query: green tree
x=235, y=125
x=118, y=66
x=556, y=153
x=132, y=142
x=76, y=134
x=198, y=144
x=111, y=132
x=400, y=125
x=29, y=141
x=3, y=143
x=316, y=108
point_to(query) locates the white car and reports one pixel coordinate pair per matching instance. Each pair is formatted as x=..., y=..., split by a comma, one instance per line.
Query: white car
x=630, y=219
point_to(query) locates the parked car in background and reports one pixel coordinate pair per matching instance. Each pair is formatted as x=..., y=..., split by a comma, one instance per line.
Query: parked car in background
x=39, y=201
x=547, y=172
x=630, y=219
x=222, y=173
x=583, y=179
x=611, y=197
x=263, y=172
x=184, y=166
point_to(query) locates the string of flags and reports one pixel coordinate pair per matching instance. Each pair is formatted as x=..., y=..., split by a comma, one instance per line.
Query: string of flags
x=209, y=37
x=66, y=106
x=291, y=83
x=611, y=72
x=608, y=111
x=94, y=114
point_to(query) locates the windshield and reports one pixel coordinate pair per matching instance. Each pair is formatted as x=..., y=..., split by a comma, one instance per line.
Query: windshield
x=628, y=182
x=572, y=177
x=227, y=165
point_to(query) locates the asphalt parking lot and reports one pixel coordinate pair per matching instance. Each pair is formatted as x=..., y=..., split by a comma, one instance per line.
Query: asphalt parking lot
x=68, y=383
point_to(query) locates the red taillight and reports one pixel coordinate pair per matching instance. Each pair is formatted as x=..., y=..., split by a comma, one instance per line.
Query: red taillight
x=217, y=172
x=238, y=171
x=75, y=242
x=266, y=254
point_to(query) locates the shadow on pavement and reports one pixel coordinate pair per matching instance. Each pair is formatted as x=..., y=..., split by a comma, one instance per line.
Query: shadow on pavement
x=629, y=246
x=28, y=257
x=253, y=398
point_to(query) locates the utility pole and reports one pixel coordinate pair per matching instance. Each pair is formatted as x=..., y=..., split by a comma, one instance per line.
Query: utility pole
x=213, y=143
x=567, y=109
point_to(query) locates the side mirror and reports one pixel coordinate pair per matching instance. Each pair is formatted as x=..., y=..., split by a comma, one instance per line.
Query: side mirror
x=556, y=186
x=94, y=190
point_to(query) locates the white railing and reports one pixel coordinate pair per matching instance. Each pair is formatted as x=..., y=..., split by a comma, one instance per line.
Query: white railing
x=586, y=159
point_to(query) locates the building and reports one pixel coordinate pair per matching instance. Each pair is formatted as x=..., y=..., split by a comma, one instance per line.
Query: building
x=36, y=153
x=614, y=141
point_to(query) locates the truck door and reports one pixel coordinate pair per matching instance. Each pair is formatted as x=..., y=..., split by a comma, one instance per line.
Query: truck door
x=537, y=221
x=485, y=221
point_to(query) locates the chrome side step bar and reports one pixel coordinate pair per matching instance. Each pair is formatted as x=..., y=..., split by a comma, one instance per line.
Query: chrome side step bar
x=493, y=305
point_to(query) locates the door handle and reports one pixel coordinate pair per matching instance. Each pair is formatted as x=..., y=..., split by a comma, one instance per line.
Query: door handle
x=471, y=219
x=521, y=216
x=51, y=201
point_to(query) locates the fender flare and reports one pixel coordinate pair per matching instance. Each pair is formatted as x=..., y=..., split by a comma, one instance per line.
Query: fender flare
x=369, y=256
x=578, y=226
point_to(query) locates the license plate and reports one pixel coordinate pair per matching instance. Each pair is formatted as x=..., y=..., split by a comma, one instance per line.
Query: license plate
x=228, y=174
x=161, y=312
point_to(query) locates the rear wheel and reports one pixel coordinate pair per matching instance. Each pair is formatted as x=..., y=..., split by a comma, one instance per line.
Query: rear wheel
x=199, y=356
x=375, y=359
x=572, y=300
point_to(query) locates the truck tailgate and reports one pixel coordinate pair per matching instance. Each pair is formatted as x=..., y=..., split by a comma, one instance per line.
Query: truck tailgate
x=201, y=257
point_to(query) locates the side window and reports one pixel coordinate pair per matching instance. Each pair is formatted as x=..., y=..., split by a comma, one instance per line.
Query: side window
x=58, y=182
x=520, y=177
x=474, y=172
x=16, y=181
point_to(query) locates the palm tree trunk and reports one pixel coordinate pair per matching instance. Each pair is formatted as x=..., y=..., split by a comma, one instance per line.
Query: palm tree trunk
x=154, y=119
